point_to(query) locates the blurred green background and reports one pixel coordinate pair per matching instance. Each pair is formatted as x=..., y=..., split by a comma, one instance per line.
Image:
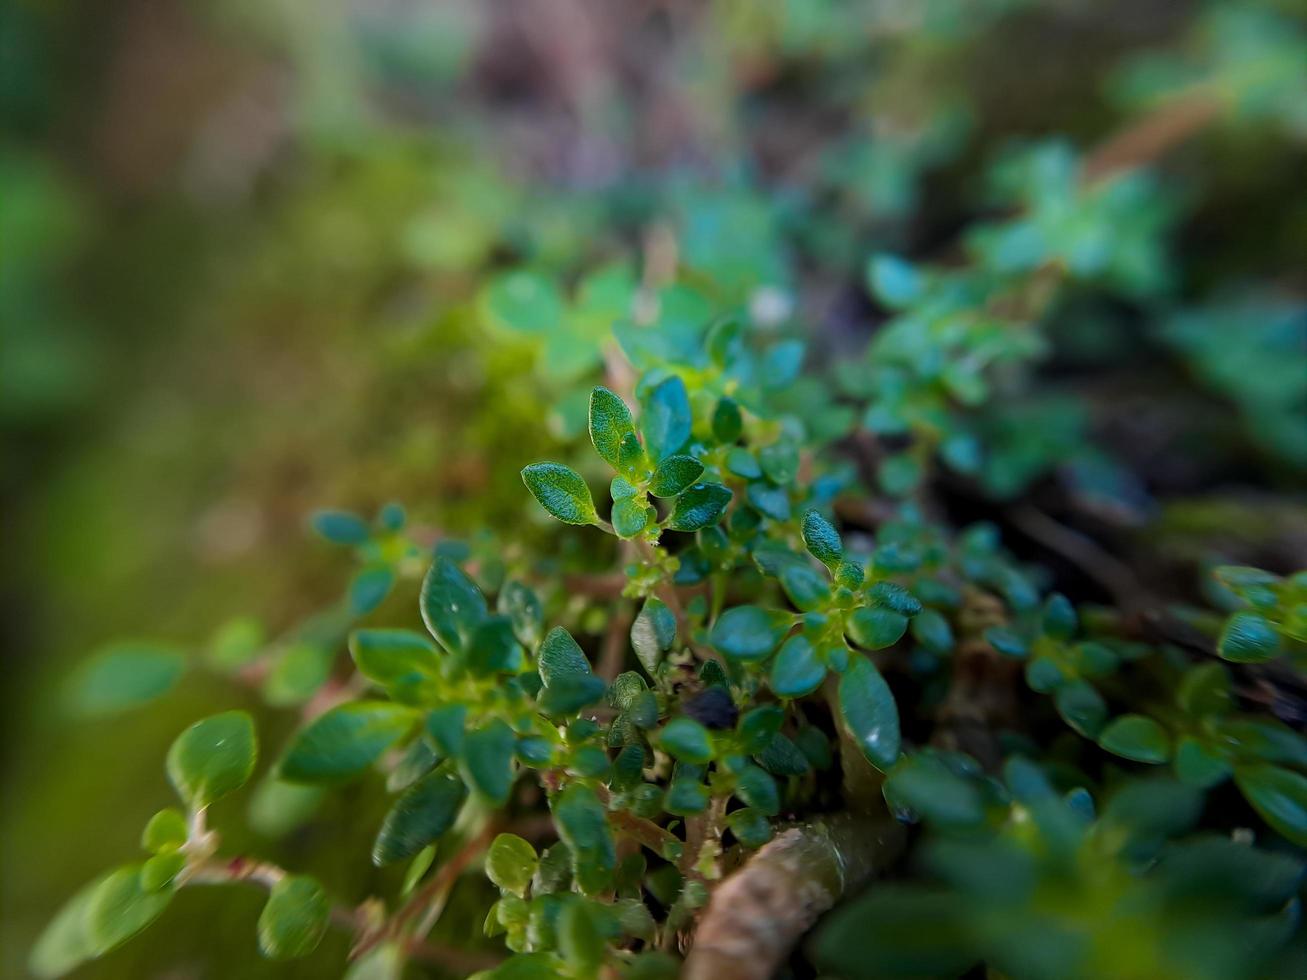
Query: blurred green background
x=241, y=248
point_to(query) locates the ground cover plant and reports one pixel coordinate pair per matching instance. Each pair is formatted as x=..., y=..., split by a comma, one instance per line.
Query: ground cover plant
x=818, y=581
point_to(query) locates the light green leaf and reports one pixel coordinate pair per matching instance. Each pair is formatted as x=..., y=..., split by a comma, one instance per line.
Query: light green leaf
x=653, y=633
x=294, y=919
x=524, y=301
x=1248, y=638
x=630, y=517
x=66, y=942
x=562, y=492
x=213, y=757
x=510, y=863
x=1136, y=737
x=346, y=740
x=869, y=712
x=121, y=907
x=166, y=830
x=369, y=589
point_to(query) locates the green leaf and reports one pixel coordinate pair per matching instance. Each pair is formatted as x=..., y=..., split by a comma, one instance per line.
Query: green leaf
x=401, y=661
x=445, y=729
x=1138, y=738
x=666, y=418
x=298, y=673
x=876, y=629
x=522, y=606
x=488, y=760
x=822, y=540
x=674, y=474
x=1081, y=707
x=900, y=474
x=562, y=492
x=699, y=506
x=687, y=740
x=797, y=670
x=493, y=648
x=161, y=870
x=583, y=827
x=1205, y=690
x=610, y=423
x=932, y=631
x=569, y=693
x=121, y=907
x=1059, y=618
x=278, y=807
x=749, y=632
x=524, y=301
x=579, y=940
x=560, y=656
x=727, y=423
x=750, y=827
x=757, y=789
x=452, y=605
x=294, y=919
x=653, y=633
x=369, y=589
x=630, y=517
x=895, y=282
x=1197, y=765
x=66, y=942
x=213, y=757
x=1279, y=796
x=166, y=830
x=122, y=677
x=235, y=643
x=1248, y=638
x=340, y=527
x=422, y=813
x=869, y=713
x=345, y=741
x=510, y=863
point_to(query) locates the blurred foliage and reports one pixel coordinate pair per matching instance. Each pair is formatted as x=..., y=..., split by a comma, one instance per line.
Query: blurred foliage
x=948, y=263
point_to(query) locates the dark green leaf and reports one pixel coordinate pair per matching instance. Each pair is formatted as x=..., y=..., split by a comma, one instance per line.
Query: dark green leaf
x=757, y=789
x=1279, y=796
x=749, y=632
x=630, y=517
x=422, y=813
x=452, y=605
x=561, y=491
x=674, y=474
x=610, y=423
x=445, y=729
x=494, y=648
x=487, y=760
x=569, y=693
x=583, y=826
x=1081, y=707
x=932, y=631
x=346, y=740
x=666, y=419
x=875, y=629
x=727, y=424
x=369, y=589
x=522, y=607
x=1248, y=638
x=702, y=504
x=797, y=670
x=869, y=713
x=750, y=827
x=398, y=660
x=560, y=656
x=822, y=540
